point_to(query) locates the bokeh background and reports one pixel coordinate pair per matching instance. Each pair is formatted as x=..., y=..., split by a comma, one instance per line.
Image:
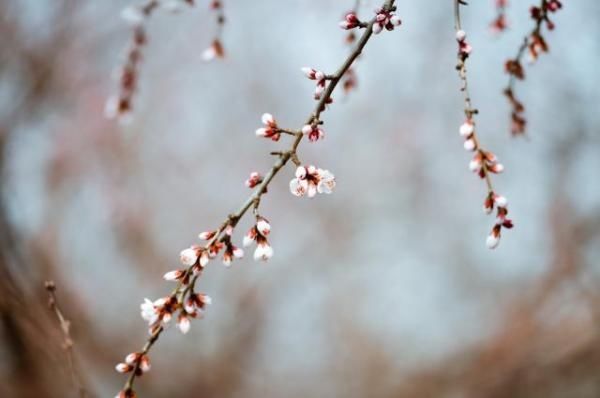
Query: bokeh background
x=383, y=289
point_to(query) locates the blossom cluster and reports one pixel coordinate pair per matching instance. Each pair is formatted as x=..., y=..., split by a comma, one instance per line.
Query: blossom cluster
x=384, y=19
x=319, y=77
x=310, y=180
x=271, y=130
x=258, y=234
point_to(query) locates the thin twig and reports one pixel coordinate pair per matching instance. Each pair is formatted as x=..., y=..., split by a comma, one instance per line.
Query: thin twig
x=65, y=326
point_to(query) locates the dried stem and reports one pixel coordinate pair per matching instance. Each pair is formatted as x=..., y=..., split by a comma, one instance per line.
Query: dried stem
x=65, y=326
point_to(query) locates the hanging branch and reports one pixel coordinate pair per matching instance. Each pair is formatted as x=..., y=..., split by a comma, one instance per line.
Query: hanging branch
x=120, y=106
x=536, y=44
x=309, y=180
x=483, y=162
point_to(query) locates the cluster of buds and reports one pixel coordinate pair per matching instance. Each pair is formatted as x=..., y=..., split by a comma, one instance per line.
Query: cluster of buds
x=271, y=130
x=258, y=233
x=313, y=132
x=499, y=202
x=138, y=361
x=193, y=307
x=231, y=251
x=254, y=179
x=319, y=77
x=310, y=180
x=216, y=50
x=160, y=312
x=385, y=19
x=464, y=48
x=499, y=23
x=483, y=161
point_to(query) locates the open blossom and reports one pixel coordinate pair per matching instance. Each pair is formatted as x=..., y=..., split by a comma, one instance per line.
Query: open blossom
x=310, y=180
x=258, y=233
x=254, y=179
x=319, y=76
x=271, y=130
x=350, y=21
x=385, y=19
x=313, y=132
x=158, y=311
x=196, y=257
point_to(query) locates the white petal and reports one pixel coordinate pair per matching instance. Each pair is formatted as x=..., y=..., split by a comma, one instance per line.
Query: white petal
x=263, y=227
x=263, y=252
x=501, y=201
x=298, y=187
x=301, y=172
x=209, y=54
x=466, y=129
x=188, y=256
x=172, y=275
x=238, y=252
x=474, y=165
x=492, y=241
x=204, y=258
x=261, y=132
x=312, y=190
x=184, y=324
x=267, y=119
x=247, y=241
x=469, y=145
x=308, y=71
